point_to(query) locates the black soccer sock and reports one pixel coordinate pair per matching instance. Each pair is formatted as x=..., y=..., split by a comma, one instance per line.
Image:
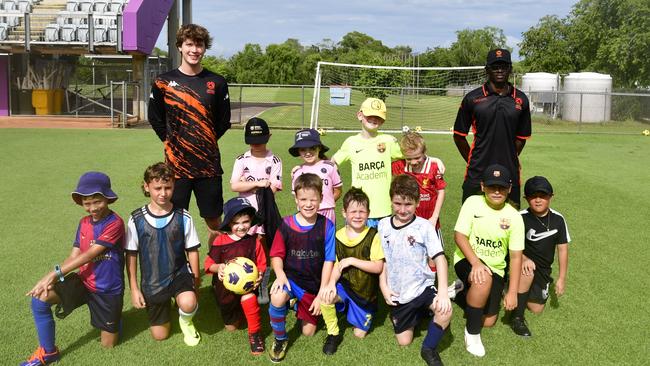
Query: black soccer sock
x=522, y=300
x=474, y=319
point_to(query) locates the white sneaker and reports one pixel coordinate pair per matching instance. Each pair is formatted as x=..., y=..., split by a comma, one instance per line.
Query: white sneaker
x=456, y=287
x=473, y=344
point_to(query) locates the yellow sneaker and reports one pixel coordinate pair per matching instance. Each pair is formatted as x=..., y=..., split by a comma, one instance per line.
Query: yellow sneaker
x=190, y=336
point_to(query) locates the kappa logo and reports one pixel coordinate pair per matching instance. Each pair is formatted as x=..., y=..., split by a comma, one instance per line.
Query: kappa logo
x=532, y=235
x=173, y=83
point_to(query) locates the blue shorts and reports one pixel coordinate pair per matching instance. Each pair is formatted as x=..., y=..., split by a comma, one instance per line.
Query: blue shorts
x=357, y=316
x=305, y=299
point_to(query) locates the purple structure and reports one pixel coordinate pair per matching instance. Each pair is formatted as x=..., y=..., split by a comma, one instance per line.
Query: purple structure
x=142, y=22
x=4, y=85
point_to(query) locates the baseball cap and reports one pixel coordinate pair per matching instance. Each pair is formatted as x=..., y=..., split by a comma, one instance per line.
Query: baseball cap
x=496, y=175
x=257, y=131
x=498, y=55
x=373, y=107
x=232, y=208
x=91, y=183
x=537, y=184
x=306, y=138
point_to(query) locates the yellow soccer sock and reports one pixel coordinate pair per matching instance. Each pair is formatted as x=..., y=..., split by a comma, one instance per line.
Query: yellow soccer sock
x=329, y=316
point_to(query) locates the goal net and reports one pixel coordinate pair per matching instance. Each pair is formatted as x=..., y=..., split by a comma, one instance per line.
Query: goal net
x=426, y=98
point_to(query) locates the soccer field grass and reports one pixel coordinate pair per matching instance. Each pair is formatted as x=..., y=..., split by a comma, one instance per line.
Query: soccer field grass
x=601, y=184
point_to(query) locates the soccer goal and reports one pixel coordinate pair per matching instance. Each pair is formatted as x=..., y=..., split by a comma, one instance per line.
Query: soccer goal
x=422, y=98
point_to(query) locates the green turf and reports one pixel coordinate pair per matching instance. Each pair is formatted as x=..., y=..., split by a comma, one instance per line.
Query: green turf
x=601, y=184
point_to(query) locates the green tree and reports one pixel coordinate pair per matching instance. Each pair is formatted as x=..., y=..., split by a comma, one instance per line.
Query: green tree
x=219, y=65
x=281, y=63
x=546, y=48
x=247, y=64
x=472, y=45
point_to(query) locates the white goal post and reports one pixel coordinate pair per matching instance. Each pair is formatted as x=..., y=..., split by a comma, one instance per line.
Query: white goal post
x=426, y=98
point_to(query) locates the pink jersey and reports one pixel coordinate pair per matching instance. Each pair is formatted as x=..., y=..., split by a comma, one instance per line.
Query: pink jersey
x=250, y=168
x=430, y=182
x=327, y=171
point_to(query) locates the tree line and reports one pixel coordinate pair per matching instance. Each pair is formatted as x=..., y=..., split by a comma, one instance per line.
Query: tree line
x=607, y=36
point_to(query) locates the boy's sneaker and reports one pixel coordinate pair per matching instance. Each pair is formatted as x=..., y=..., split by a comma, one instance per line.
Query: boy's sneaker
x=278, y=349
x=190, y=336
x=519, y=327
x=473, y=344
x=430, y=356
x=263, y=292
x=332, y=343
x=455, y=288
x=41, y=358
x=257, y=343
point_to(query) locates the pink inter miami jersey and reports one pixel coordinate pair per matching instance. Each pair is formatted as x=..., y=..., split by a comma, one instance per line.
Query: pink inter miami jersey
x=251, y=169
x=103, y=274
x=327, y=171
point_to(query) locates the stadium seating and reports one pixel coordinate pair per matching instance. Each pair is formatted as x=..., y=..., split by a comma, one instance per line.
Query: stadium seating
x=3, y=31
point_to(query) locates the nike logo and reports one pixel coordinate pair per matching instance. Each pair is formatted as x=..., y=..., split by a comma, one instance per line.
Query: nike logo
x=358, y=151
x=477, y=216
x=533, y=236
x=173, y=83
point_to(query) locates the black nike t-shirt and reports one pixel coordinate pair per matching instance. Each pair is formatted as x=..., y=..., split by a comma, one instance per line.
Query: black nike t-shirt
x=542, y=235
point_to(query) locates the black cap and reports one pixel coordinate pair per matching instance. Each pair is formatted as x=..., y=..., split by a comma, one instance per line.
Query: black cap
x=232, y=208
x=257, y=131
x=498, y=55
x=496, y=175
x=306, y=138
x=537, y=184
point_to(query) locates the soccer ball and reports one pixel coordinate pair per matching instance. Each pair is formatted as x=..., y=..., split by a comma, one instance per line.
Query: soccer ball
x=240, y=275
x=646, y=132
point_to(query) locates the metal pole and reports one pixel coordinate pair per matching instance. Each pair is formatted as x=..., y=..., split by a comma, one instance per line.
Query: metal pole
x=119, y=45
x=91, y=33
x=124, y=104
x=580, y=118
x=112, y=111
x=312, y=118
x=28, y=32
x=302, y=87
x=241, y=87
x=402, y=107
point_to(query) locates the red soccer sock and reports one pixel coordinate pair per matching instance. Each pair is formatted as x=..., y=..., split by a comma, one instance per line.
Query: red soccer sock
x=252, y=312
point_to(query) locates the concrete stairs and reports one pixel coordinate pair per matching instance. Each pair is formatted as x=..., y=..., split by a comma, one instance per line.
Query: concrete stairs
x=43, y=13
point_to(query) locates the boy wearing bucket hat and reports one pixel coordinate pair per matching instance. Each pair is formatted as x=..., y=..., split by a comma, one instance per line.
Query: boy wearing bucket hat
x=163, y=237
x=239, y=215
x=488, y=228
x=98, y=253
x=370, y=154
x=311, y=150
x=546, y=229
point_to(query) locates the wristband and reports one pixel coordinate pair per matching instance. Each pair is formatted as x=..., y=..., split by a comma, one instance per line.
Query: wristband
x=59, y=273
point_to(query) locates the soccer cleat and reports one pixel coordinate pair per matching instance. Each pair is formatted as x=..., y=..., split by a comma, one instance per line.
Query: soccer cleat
x=40, y=358
x=519, y=326
x=278, y=349
x=257, y=343
x=430, y=356
x=473, y=344
x=190, y=336
x=455, y=288
x=332, y=343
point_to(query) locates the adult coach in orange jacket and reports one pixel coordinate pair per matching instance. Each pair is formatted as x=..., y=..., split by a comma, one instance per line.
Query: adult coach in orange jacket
x=499, y=116
x=189, y=109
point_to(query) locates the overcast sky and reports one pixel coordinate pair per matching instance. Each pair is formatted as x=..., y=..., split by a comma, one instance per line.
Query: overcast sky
x=420, y=24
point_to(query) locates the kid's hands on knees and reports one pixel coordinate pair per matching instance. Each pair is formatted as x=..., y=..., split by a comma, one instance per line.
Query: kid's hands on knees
x=441, y=303
x=479, y=273
x=528, y=267
x=42, y=286
x=510, y=300
x=389, y=295
x=327, y=293
x=314, y=309
x=258, y=281
x=279, y=283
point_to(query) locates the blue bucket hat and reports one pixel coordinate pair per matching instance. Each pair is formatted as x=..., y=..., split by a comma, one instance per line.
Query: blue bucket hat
x=233, y=207
x=91, y=183
x=306, y=138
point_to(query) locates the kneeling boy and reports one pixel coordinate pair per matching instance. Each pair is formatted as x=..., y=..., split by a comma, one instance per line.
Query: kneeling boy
x=407, y=282
x=160, y=234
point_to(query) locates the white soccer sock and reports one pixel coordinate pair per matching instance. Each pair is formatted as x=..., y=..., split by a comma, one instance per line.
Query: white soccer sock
x=187, y=317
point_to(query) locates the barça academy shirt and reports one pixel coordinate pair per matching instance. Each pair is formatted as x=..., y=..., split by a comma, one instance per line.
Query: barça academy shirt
x=189, y=113
x=103, y=274
x=371, y=167
x=491, y=232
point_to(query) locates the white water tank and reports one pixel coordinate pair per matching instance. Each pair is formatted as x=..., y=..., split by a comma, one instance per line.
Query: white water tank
x=579, y=105
x=540, y=87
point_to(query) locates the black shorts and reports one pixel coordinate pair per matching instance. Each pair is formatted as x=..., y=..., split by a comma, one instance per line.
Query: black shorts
x=463, y=268
x=229, y=304
x=471, y=189
x=105, y=310
x=159, y=305
x=407, y=316
x=539, y=289
x=208, y=193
